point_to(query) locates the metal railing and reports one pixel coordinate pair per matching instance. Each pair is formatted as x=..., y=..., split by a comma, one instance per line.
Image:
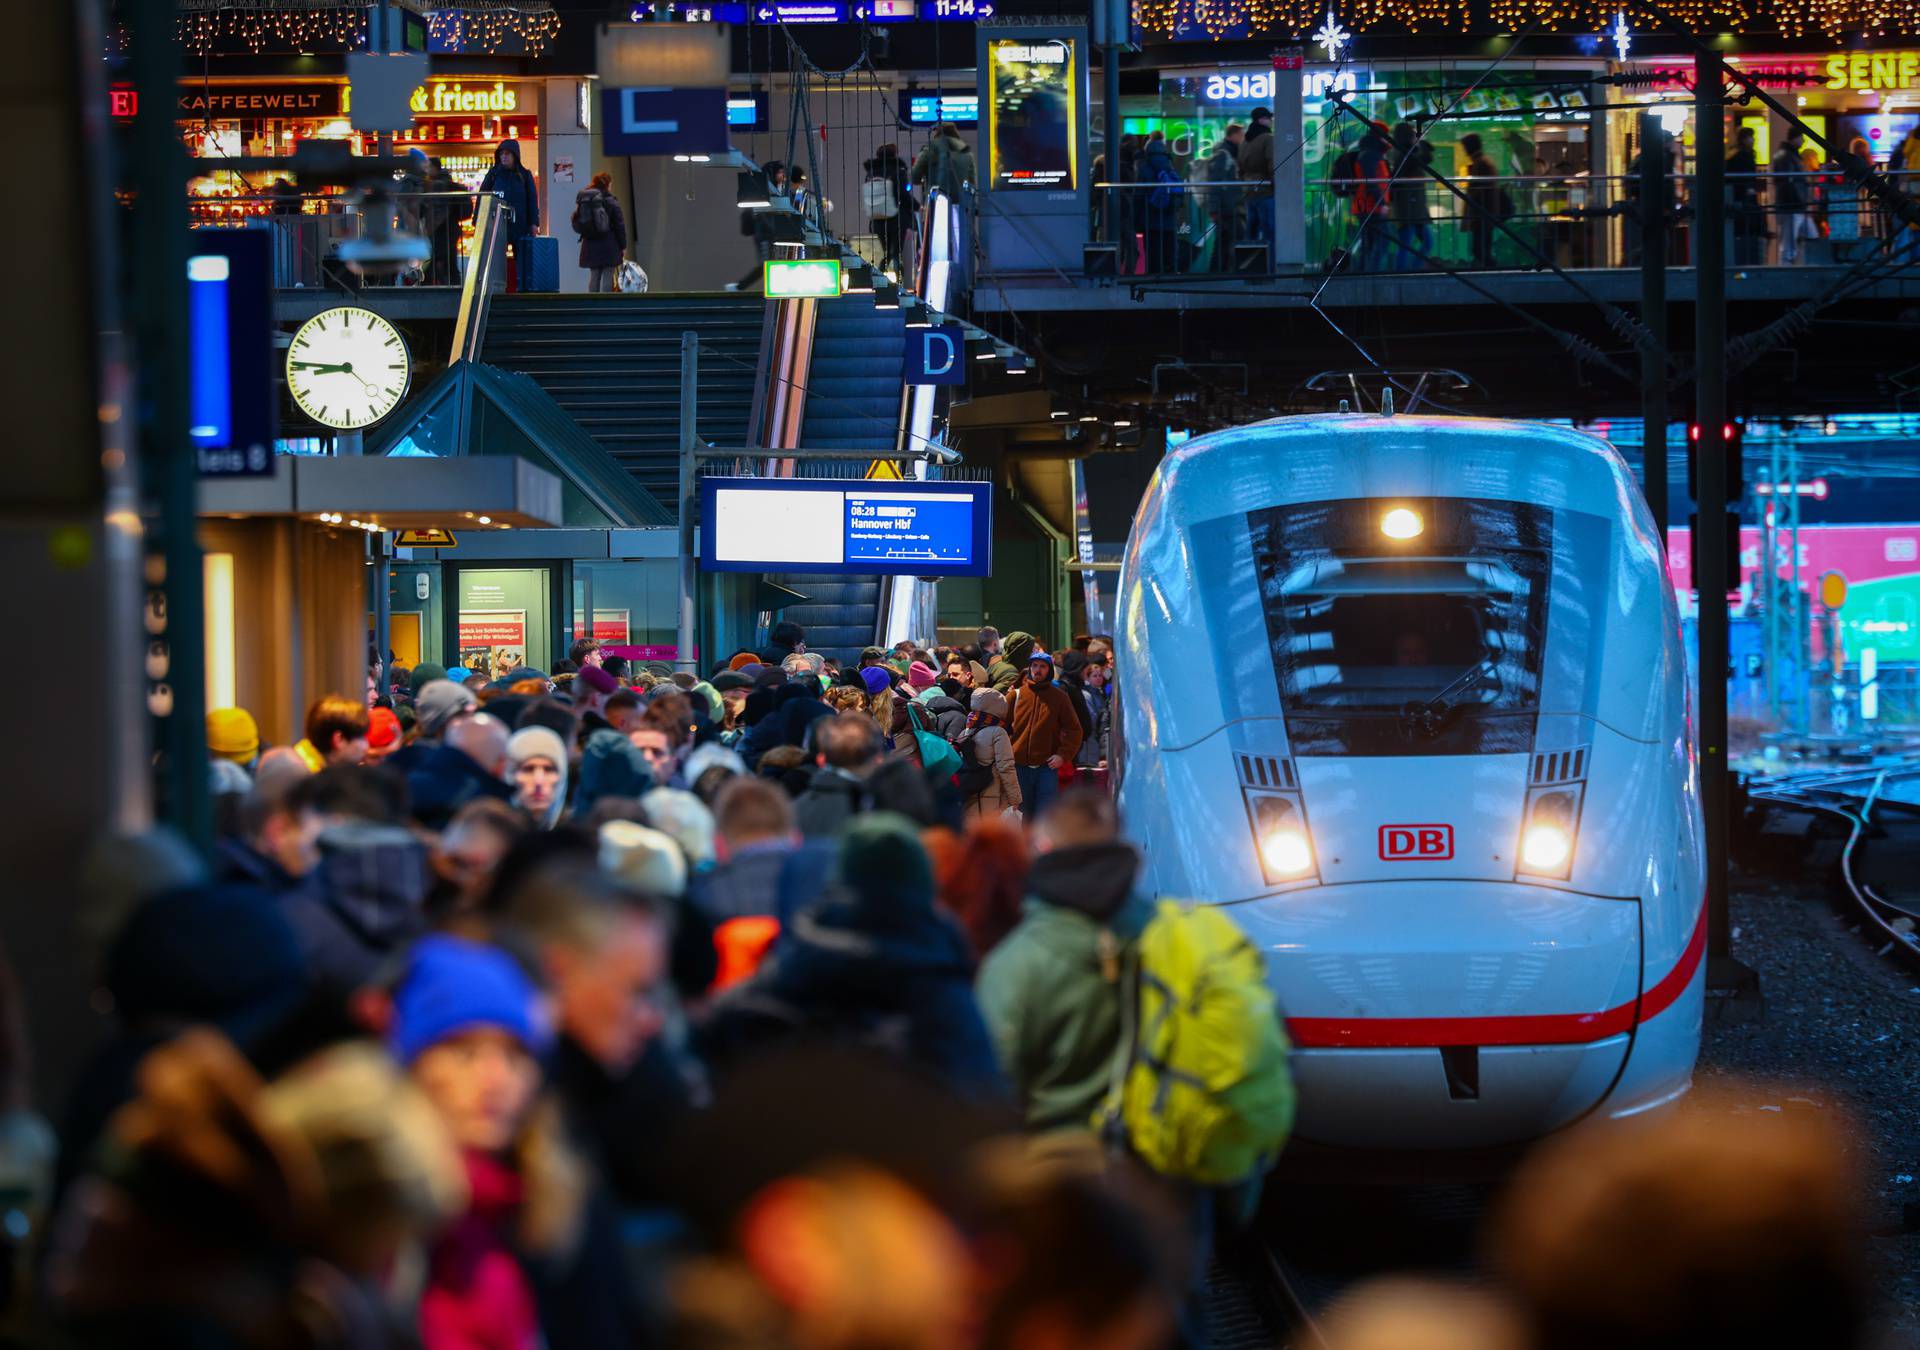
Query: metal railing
x=1415, y=224
x=309, y=230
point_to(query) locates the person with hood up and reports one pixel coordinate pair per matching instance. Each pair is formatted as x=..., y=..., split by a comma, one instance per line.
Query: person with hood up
x=1010, y=661
x=469, y=1028
x=1165, y=196
x=602, y=228
x=1045, y=732
x=366, y=900
x=871, y=962
x=516, y=187
x=1073, y=671
x=1051, y=991
x=537, y=766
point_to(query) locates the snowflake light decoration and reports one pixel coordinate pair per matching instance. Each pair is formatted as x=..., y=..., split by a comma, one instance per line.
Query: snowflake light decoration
x=1621, y=34
x=1331, y=37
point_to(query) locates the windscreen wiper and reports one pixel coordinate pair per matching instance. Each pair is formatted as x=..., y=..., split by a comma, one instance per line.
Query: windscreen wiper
x=1429, y=717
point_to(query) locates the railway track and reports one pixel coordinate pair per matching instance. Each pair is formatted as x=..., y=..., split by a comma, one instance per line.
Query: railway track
x=1877, y=809
x=1313, y=1243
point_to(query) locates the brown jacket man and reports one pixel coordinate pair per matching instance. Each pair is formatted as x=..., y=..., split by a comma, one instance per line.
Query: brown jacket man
x=1042, y=722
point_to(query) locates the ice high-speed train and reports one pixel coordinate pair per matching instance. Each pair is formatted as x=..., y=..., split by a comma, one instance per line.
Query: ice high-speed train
x=1408, y=695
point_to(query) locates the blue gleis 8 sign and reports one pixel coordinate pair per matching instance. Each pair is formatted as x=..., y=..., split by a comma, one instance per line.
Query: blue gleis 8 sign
x=842, y=525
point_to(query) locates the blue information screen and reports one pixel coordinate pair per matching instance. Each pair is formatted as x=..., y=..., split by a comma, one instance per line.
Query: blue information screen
x=898, y=527
x=909, y=528
x=925, y=107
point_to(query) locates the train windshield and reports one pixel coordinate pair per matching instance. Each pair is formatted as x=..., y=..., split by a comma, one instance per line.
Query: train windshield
x=1421, y=644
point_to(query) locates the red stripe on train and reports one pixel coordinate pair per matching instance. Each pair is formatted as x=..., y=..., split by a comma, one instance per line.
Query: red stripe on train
x=1526, y=1029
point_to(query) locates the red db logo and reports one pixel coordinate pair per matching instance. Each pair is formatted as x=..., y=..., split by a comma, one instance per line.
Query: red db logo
x=1416, y=843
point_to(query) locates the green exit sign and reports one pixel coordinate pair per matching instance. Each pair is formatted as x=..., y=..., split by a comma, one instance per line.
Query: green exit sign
x=803, y=278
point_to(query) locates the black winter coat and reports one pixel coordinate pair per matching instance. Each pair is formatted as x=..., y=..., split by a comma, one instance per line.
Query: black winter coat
x=606, y=250
x=901, y=982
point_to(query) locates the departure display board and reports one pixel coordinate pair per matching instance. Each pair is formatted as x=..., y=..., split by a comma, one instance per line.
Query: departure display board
x=841, y=525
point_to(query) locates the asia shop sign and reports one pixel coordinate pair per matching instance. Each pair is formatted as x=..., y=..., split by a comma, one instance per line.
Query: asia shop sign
x=826, y=525
x=1226, y=86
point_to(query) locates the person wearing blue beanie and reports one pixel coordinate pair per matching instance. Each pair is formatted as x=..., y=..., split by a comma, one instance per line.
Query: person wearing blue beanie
x=453, y=987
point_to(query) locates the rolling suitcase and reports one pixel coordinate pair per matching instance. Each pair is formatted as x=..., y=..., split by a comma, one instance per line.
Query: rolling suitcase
x=543, y=257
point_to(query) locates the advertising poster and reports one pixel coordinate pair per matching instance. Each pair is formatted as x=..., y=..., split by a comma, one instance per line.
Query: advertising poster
x=1032, y=138
x=609, y=625
x=493, y=641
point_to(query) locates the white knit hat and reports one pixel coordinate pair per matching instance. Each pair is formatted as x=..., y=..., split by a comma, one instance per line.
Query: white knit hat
x=643, y=858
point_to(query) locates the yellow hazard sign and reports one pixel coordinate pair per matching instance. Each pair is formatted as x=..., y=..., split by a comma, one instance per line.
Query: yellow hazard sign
x=888, y=469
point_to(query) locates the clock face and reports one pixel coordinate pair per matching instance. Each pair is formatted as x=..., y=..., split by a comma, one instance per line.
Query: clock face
x=347, y=368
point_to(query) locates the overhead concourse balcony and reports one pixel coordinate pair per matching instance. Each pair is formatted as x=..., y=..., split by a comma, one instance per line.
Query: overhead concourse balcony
x=1510, y=240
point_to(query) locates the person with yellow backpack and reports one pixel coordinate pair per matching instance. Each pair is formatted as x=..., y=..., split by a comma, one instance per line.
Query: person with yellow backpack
x=1148, y=1025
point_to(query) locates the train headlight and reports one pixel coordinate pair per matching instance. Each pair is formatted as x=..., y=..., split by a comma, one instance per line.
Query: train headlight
x=1286, y=853
x=1546, y=845
x=1545, y=848
x=1402, y=522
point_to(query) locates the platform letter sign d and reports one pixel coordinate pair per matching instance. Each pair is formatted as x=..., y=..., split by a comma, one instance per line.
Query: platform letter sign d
x=936, y=355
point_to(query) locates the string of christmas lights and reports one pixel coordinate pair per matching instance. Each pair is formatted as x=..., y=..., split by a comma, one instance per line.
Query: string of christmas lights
x=486, y=25
x=301, y=24
x=1297, y=20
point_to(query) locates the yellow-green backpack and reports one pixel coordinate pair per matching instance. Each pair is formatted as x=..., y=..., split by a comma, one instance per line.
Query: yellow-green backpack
x=1202, y=1090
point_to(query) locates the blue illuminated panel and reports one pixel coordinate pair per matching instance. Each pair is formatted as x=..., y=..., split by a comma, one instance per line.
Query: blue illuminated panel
x=800, y=11
x=928, y=107
x=846, y=526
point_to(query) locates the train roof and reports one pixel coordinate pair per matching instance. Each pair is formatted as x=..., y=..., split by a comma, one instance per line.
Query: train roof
x=1329, y=456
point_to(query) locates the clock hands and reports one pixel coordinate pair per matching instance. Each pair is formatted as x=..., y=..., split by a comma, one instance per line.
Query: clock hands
x=336, y=368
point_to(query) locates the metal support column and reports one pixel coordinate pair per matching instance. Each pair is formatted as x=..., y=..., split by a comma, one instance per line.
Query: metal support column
x=156, y=171
x=1654, y=194
x=1115, y=16
x=382, y=610
x=1770, y=580
x=1802, y=649
x=689, y=443
x=1710, y=549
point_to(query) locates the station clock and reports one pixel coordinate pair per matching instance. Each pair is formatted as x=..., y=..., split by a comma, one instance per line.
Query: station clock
x=347, y=368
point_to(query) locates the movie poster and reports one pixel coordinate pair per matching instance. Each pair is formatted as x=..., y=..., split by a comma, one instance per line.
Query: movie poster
x=1032, y=139
x=493, y=641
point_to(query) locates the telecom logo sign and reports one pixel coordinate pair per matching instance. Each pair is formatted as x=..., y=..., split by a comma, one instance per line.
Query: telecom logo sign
x=1416, y=843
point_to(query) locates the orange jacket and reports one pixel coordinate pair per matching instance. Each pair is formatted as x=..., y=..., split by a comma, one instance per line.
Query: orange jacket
x=1042, y=724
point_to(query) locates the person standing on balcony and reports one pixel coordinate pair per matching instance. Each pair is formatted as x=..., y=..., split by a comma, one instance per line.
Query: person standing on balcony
x=1790, y=197
x=1256, y=171
x=1164, y=193
x=1372, y=196
x=1412, y=221
x=1743, y=191
x=602, y=228
x=514, y=184
x=1486, y=199
x=1222, y=175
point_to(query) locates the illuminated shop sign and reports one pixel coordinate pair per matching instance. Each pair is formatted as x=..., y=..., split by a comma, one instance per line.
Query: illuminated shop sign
x=260, y=100
x=1873, y=70
x=1262, y=85
x=439, y=96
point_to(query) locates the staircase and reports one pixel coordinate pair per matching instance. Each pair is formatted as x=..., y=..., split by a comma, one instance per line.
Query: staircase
x=853, y=403
x=613, y=363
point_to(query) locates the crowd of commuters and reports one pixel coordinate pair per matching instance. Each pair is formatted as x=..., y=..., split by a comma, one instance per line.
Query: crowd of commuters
x=795, y=1006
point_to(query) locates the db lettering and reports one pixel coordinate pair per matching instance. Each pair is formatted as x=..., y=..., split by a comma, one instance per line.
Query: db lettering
x=1416, y=843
